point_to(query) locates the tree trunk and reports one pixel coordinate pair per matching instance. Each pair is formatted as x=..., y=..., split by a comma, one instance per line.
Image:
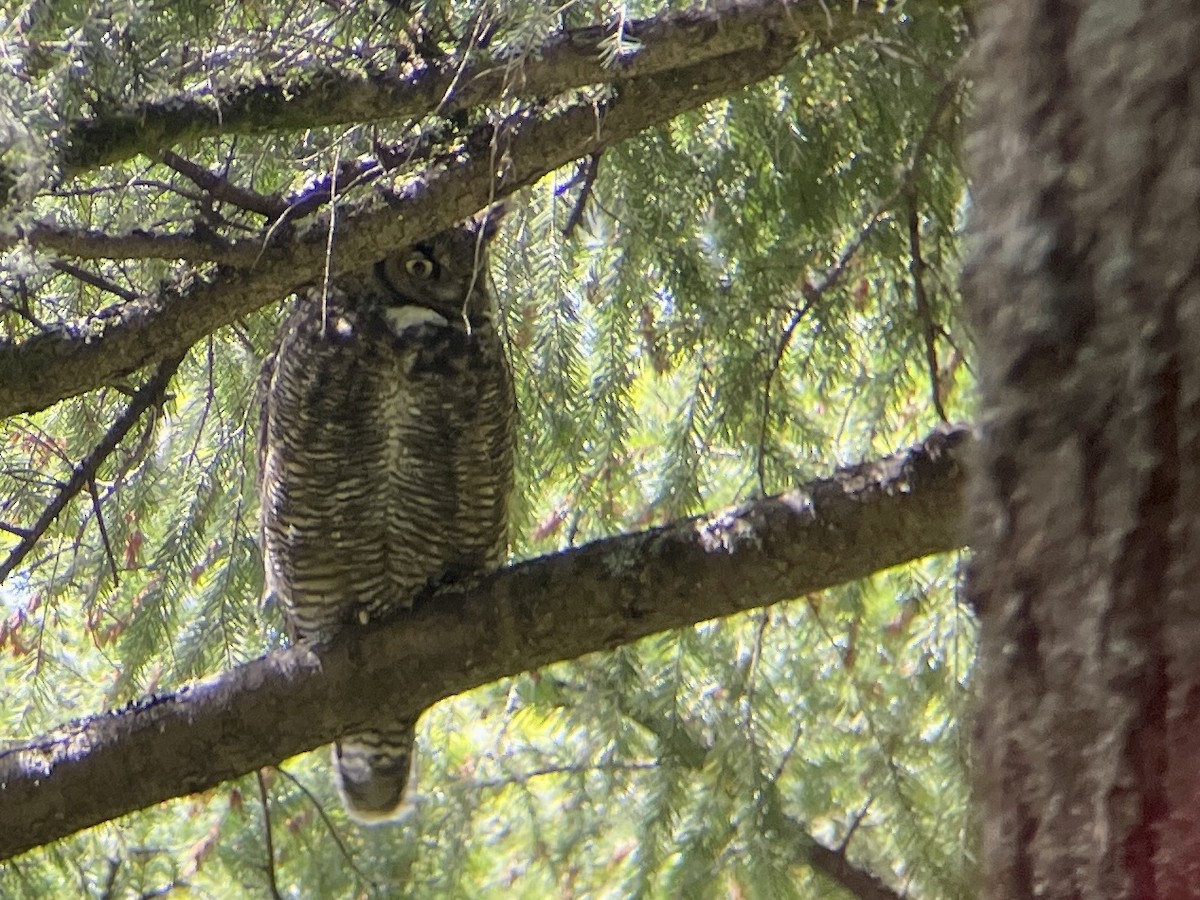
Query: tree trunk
x=1085, y=298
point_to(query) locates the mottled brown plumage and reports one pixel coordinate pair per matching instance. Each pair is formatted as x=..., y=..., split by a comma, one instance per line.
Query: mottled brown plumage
x=387, y=460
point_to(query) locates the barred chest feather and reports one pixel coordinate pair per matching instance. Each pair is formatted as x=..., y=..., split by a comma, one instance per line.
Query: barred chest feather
x=388, y=459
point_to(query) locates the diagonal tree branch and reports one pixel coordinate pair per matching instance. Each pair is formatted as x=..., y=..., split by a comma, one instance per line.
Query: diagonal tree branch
x=830, y=862
x=92, y=243
x=611, y=592
x=120, y=339
x=85, y=471
x=221, y=189
x=571, y=59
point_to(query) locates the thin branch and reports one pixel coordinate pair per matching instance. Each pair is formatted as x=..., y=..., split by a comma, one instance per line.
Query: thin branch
x=110, y=880
x=587, y=174
x=222, y=189
x=833, y=864
x=345, y=177
x=854, y=823
x=841, y=528
x=85, y=471
x=164, y=890
x=806, y=849
x=93, y=279
x=329, y=826
x=108, y=552
x=123, y=188
x=781, y=349
x=812, y=294
x=942, y=103
x=268, y=836
x=930, y=329
x=522, y=778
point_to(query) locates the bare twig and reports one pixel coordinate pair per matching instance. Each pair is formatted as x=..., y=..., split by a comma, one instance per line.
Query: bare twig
x=587, y=174
x=270, y=840
x=854, y=823
x=522, y=778
x=167, y=888
x=812, y=294
x=93, y=279
x=858, y=881
x=222, y=189
x=930, y=329
x=333, y=832
x=942, y=101
x=760, y=633
x=95, y=494
x=344, y=178
x=110, y=880
x=827, y=861
x=85, y=471
x=784, y=342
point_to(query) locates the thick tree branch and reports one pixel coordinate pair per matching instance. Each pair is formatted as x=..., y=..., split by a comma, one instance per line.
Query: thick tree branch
x=120, y=339
x=94, y=244
x=568, y=60
x=610, y=592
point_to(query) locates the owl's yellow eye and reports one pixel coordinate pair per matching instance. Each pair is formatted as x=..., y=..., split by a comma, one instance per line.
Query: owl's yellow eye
x=419, y=266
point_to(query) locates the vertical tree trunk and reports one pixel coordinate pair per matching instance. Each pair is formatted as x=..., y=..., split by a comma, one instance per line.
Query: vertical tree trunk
x=1085, y=294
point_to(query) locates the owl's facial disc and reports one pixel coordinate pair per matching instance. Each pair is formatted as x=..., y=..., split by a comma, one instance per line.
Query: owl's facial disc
x=443, y=275
x=414, y=277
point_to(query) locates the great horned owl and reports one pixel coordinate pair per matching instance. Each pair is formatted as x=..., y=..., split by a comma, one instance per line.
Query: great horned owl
x=387, y=459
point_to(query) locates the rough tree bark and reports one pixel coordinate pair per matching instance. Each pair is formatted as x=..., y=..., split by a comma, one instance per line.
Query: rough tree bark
x=1086, y=298
x=861, y=520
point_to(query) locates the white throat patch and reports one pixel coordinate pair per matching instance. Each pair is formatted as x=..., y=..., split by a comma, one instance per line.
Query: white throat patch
x=402, y=318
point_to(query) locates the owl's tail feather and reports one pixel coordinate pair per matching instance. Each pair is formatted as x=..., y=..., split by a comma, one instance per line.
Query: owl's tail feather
x=373, y=771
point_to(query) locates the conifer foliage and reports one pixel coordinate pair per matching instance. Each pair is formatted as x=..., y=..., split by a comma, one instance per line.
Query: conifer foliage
x=729, y=267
